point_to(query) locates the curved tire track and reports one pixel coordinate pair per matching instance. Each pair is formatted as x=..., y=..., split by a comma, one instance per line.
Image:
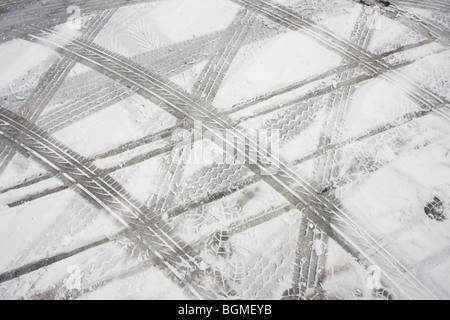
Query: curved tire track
x=143, y=226
x=326, y=213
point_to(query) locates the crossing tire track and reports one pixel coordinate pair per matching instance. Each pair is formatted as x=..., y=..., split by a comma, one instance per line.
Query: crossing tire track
x=314, y=155
x=213, y=74
x=344, y=229
x=144, y=226
x=53, y=79
x=338, y=71
x=16, y=23
x=424, y=27
x=165, y=61
x=424, y=4
x=339, y=103
x=350, y=51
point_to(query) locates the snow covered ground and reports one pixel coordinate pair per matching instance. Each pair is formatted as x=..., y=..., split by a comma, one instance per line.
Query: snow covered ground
x=99, y=194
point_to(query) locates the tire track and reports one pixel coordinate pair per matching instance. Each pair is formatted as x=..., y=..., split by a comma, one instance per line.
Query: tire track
x=339, y=103
x=232, y=229
x=220, y=181
x=119, y=150
x=424, y=4
x=164, y=134
x=145, y=227
x=214, y=73
x=165, y=61
x=82, y=108
x=167, y=182
x=369, y=62
x=16, y=24
x=205, y=88
x=379, y=130
x=52, y=81
x=254, y=101
x=71, y=116
x=31, y=267
x=295, y=119
x=317, y=154
x=131, y=162
x=309, y=269
x=424, y=27
x=58, y=122
x=309, y=265
x=326, y=213
x=331, y=88
x=235, y=228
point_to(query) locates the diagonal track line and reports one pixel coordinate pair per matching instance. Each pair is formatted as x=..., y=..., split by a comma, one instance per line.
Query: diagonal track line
x=205, y=88
x=316, y=154
x=424, y=4
x=145, y=228
x=52, y=80
x=340, y=101
x=214, y=72
x=437, y=108
x=284, y=16
x=344, y=229
x=252, y=102
x=16, y=23
x=166, y=61
x=428, y=29
x=309, y=265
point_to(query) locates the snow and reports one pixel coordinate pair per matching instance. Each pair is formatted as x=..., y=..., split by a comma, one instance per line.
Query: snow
x=416, y=54
x=374, y=103
x=78, y=70
x=439, y=17
x=128, y=120
x=343, y=24
x=391, y=35
x=139, y=179
x=188, y=78
x=159, y=24
x=273, y=64
x=432, y=72
x=151, y=284
x=18, y=57
x=392, y=200
x=383, y=182
x=20, y=169
x=347, y=278
x=46, y=227
x=304, y=143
